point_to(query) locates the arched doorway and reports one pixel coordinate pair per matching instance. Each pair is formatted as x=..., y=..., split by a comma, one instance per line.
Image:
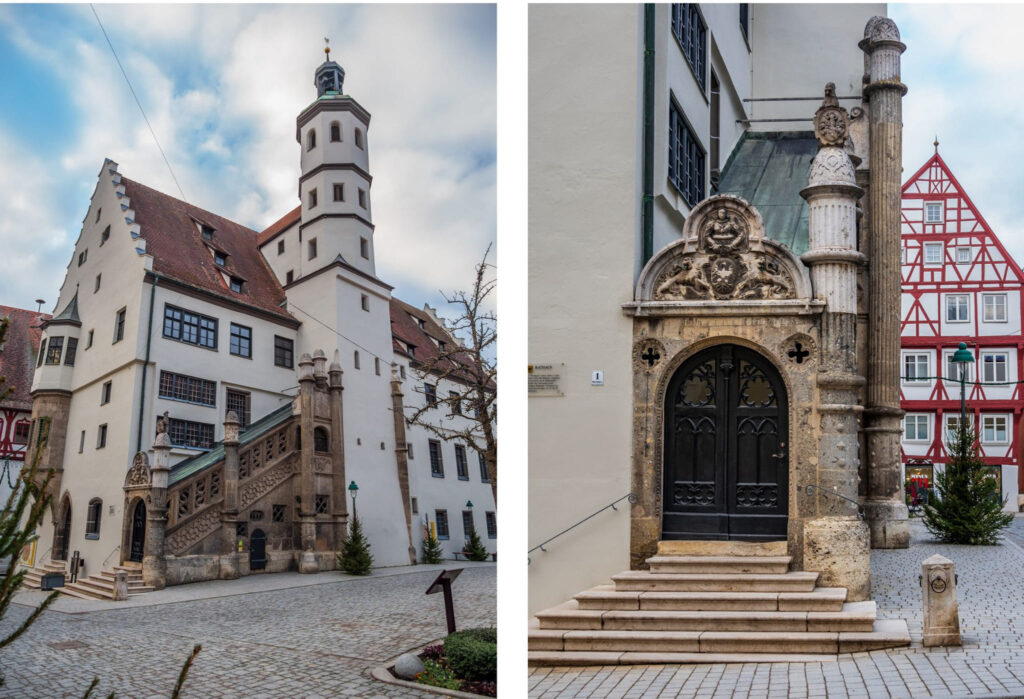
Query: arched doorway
x=726, y=467
x=257, y=550
x=62, y=533
x=137, y=542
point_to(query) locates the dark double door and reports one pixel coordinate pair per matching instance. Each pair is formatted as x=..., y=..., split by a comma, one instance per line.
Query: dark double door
x=726, y=467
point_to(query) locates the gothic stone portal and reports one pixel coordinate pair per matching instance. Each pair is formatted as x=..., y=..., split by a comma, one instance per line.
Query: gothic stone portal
x=725, y=464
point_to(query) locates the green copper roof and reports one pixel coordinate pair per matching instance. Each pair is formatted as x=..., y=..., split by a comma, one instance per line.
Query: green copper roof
x=769, y=170
x=70, y=312
x=188, y=467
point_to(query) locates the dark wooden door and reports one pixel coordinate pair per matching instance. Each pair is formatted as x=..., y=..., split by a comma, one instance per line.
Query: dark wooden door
x=63, y=534
x=257, y=550
x=138, y=543
x=726, y=467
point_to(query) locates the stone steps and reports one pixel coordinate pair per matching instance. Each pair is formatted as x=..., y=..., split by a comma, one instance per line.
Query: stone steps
x=33, y=576
x=101, y=585
x=646, y=581
x=820, y=599
x=777, y=565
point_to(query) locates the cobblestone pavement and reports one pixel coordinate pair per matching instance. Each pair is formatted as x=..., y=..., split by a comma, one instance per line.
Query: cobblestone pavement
x=991, y=662
x=316, y=641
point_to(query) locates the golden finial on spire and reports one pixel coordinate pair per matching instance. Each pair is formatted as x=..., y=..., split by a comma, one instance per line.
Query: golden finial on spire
x=327, y=48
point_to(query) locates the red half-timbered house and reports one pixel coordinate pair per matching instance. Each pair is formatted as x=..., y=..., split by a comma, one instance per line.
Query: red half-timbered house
x=959, y=285
x=17, y=362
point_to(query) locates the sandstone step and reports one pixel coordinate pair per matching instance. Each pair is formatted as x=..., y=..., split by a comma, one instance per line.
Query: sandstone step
x=75, y=590
x=722, y=548
x=606, y=597
x=590, y=658
x=646, y=581
x=719, y=564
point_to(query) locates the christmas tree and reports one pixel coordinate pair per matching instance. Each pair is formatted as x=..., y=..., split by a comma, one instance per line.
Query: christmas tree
x=355, y=555
x=431, y=549
x=475, y=549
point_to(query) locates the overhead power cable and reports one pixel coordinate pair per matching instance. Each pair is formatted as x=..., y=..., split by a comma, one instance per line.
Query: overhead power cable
x=127, y=80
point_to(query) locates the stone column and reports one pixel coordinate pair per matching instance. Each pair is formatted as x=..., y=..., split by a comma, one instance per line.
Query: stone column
x=338, y=482
x=230, y=556
x=835, y=537
x=307, y=502
x=402, y=454
x=885, y=507
x=154, y=562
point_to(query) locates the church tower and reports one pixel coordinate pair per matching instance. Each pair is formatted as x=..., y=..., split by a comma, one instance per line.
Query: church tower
x=334, y=185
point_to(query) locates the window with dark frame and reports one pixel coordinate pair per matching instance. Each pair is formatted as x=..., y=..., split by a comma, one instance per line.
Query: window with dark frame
x=81, y=442
x=189, y=434
x=455, y=400
x=430, y=393
x=492, y=525
x=189, y=389
x=436, y=460
x=53, y=351
x=101, y=436
x=364, y=248
x=441, y=518
x=335, y=131
x=284, y=352
x=339, y=192
x=88, y=340
x=376, y=366
x=362, y=198
x=240, y=403
x=72, y=351
x=355, y=359
x=312, y=199
x=105, y=235
x=460, y=463
x=322, y=504
x=119, y=324
x=105, y=392
x=236, y=285
x=277, y=513
x=484, y=477
x=312, y=248
x=220, y=258
x=92, y=520
x=82, y=257
x=240, y=344
x=99, y=212
x=692, y=35
x=206, y=231
x=467, y=524
x=289, y=277
x=321, y=442
x=96, y=284
x=21, y=430
x=311, y=139
x=190, y=328
x=685, y=158
x=359, y=138
x=364, y=302
x=280, y=247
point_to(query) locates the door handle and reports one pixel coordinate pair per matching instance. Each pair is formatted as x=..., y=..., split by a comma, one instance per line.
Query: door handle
x=779, y=455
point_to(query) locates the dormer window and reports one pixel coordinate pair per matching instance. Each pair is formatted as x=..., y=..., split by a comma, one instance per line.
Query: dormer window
x=206, y=231
x=335, y=131
x=220, y=258
x=359, y=138
x=236, y=285
x=311, y=139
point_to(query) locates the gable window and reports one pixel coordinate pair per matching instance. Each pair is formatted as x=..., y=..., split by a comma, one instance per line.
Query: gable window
x=335, y=131
x=284, y=352
x=692, y=35
x=92, y=520
x=364, y=301
x=994, y=429
x=104, y=236
x=206, y=231
x=96, y=284
x=460, y=463
x=189, y=434
x=916, y=367
x=915, y=427
x=189, y=389
x=71, y=352
x=53, y=352
x=101, y=437
x=995, y=307
x=364, y=248
x=312, y=248
x=220, y=258
x=430, y=391
x=436, y=460
x=339, y=192
x=359, y=138
x=105, y=392
x=289, y=277
x=355, y=359
x=933, y=212
x=362, y=198
x=239, y=402
x=963, y=255
x=492, y=521
x=236, y=285
x=191, y=328
x=82, y=256
x=312, y=198
x=467, y=524
x=311, y=139
x=280, y=247
x=441, y=517
x=933, y=253
x=957, y=309
x=685, y=158
x=241, y=341
x=484, y=478
x=993, y=366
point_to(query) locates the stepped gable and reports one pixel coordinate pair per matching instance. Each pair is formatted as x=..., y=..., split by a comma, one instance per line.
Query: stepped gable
x=18, y=353
x=279, y=225
x=169, y=227
x=417, y=327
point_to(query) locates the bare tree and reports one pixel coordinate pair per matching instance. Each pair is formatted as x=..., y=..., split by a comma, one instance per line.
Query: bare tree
x=469, y=360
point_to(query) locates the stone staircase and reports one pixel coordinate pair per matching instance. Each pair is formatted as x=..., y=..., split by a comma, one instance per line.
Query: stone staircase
x=33, y=576
x=696, y=606
x=101, y=586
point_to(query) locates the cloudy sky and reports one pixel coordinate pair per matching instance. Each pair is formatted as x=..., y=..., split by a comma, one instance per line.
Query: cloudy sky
x=962, y=66
x=222, y=86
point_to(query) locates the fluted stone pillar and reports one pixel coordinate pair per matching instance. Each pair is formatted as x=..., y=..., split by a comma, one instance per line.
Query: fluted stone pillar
x=307, y=503
x=835, y=538
x=338, y=482
x=154, y=563
x=402, y=454
x=885, y=507
x=230, y=560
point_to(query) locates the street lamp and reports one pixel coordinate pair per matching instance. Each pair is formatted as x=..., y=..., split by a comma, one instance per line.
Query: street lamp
x=353, y=489
x=963, y=357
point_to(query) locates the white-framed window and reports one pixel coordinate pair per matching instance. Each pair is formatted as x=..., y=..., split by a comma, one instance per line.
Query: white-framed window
x=916, y=367
x=963, y=255
x=952, y=369
x=933, y=253
x=952, y=421
x=994, y=366
x=958, y=308
x=915, y=427
x=933, y=212
x=995, y=429
x=994, y=306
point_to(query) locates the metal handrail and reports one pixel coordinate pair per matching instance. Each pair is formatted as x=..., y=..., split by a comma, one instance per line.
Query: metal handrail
x=41, y=556
x=860, y=508
x=628, y=496
x=104, y=563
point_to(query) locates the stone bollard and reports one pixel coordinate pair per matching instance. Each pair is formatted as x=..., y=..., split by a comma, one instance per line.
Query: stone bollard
x=941, y=614
x=120, y=585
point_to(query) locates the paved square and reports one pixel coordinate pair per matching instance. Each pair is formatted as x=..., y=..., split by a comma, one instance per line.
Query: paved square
x=312, y=641
x=991, y=662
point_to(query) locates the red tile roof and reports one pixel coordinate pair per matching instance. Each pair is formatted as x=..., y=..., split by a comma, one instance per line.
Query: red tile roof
x=280, y=224
x=18, y=354
x=407, y=331
x=179, y=251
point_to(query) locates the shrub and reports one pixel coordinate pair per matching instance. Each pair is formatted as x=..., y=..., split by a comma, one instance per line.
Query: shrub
x=437, y=675
x=434, y=652
x=355, y=555
x=431, y=550
x=475, y=549
x=473, y=654
x=487, y=689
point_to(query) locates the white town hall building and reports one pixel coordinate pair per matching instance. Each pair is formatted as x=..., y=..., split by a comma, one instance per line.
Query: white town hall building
x=167, y=309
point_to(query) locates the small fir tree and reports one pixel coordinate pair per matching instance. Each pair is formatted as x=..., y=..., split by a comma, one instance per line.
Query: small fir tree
x=968, y=509
x=355, y=555
x=475, y=549
x=432, y=549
